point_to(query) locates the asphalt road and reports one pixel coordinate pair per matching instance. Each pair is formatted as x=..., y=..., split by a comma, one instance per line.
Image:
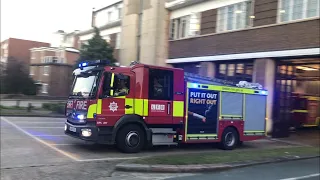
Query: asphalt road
x=37, y=148
x=293, y=170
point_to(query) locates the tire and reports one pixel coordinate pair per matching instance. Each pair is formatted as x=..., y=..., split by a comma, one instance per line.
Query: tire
x=130, y=139
x=229, y=139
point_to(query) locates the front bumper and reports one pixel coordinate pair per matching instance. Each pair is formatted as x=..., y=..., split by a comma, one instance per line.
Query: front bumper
x=101, y=135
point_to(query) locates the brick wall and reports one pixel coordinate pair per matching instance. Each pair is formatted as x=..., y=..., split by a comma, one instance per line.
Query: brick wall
x=298, y=35
x=265, y=12
x=60, y=81
x=208, y=21
x=20, y=49
x=71, y=57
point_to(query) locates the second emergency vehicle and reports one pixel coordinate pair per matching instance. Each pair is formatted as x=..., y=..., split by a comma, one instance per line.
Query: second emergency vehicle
x=141, y=105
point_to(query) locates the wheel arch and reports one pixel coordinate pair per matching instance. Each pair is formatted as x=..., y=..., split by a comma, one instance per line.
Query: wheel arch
x=131, y=119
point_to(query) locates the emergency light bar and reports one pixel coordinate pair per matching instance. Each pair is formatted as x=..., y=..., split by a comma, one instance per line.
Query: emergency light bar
x=93, y=63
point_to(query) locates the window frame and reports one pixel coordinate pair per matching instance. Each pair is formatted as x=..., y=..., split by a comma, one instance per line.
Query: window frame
x=236, y=75
x=304, y=11
x=247, y=9
x=168, y=88
x=31, y=70
x=46, y=89
x=118, y=41
x=44, y=70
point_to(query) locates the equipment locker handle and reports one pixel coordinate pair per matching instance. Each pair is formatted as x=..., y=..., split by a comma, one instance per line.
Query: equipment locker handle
x=168, y=107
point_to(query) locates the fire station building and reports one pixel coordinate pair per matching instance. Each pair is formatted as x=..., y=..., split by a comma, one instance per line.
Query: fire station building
x=272, y=42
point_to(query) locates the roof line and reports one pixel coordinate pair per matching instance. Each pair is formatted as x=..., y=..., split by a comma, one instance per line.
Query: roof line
x=255, y=55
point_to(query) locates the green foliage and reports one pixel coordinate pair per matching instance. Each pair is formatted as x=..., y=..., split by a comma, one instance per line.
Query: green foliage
x=97, y=48
x=15, y=79
x=54, y=107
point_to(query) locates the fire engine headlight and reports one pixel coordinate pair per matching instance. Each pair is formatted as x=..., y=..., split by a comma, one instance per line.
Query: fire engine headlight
x=81, y=117
x=65, y=127
x=86, y=132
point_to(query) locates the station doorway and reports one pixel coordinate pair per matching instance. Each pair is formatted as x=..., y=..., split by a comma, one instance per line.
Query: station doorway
x=296, y=97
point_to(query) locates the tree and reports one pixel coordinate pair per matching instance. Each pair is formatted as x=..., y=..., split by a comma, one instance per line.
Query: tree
x=15, y=79
x=97, y=48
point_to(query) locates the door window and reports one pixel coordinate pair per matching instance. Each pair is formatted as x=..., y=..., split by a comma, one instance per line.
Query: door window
x=160, y=84
x=115, y=85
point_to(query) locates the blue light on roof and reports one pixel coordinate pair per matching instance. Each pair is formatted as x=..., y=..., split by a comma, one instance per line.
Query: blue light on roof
x=264, y=92
x=194, y=85
x=84, y=64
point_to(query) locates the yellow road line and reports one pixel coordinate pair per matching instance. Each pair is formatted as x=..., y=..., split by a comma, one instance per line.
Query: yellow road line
x=69, y=155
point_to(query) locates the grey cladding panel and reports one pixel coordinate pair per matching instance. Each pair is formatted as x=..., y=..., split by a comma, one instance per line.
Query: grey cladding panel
x=255, y=113
x=231, y=104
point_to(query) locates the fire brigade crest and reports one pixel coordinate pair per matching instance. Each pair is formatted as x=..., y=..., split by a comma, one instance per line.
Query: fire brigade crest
x=113, y=106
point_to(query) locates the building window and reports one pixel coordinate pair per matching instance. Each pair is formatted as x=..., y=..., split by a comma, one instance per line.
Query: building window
x=235, y=71
x=233, y=17
x=46, y=70
x=45, y=88
x=31, y=70
x=33, y=55
x=186, y=26
x=110, y=18
x=118, y=40
x=107, y=38
x=290, y=10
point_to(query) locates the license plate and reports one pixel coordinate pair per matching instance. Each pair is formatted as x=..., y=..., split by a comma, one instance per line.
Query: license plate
x=73, y=129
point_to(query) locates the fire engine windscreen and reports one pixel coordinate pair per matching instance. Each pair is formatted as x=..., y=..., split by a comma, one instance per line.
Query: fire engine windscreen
x=85, y=83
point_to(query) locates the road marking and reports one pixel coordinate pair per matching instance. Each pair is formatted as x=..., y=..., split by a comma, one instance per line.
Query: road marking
x=37, y=122
x=41, y=141
x=69, y=144
x=36, y=127
x=302, y=177
x=51, y=135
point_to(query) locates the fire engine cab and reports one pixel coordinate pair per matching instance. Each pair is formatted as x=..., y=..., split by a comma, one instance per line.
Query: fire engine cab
x=142, y=105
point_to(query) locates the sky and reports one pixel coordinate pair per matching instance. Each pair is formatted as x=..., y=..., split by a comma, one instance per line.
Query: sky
x=38, y=19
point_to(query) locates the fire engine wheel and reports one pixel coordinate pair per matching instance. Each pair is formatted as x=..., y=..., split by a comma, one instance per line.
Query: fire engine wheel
x=230, y=139
x=130, y=139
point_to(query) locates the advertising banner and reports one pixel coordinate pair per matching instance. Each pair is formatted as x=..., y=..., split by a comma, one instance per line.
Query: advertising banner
x=202, y=111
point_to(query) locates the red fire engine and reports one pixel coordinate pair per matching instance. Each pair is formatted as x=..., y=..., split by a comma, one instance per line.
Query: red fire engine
x=141, y=105
x=305, y=110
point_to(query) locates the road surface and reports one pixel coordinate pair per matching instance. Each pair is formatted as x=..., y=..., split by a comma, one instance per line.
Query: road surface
x=293, y=170
x=36, y=148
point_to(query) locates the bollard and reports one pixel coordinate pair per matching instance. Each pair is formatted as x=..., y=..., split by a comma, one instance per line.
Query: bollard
x=29, y=107
x=18, y=103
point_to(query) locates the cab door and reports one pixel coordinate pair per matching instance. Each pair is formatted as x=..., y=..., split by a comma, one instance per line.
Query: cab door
x=114, y=105
x=160, y=96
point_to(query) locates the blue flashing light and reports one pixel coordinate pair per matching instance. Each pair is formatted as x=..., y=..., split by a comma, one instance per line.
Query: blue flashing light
x=264, y=92
x=80, y=116
x=194, y=85
x=84, y=64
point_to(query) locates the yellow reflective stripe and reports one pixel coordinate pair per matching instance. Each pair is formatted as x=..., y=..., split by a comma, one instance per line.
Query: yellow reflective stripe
x=129, y=102
x=244, y=107
x=145, y=107
x=312, y=98
x=220, y=106
x=201, y=135
x=178, y=108
x=227, y=89
x=99, y=106
x=309, y=125
x=186, y=124
x=138, y=106
x=300, y=111
x=254, y=131
x=112, y=80
x=91, y=110
x=228, y=115
x=120, y=97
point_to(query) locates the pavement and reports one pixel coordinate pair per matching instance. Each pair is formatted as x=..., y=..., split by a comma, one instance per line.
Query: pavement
x=303, y=169
x=37, y=148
